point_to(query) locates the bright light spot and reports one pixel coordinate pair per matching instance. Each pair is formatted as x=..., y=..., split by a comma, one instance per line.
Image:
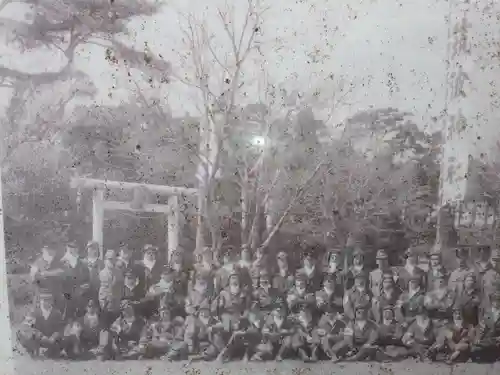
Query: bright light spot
x=258, y=141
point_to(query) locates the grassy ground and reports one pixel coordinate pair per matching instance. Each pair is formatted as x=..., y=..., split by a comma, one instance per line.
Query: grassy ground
x=29, y=367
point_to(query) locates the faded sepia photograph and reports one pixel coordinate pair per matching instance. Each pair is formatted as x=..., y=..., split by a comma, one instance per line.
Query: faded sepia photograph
x=258, y=187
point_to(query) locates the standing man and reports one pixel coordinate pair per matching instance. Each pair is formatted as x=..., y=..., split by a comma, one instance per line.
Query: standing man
x=483, y=263
x=335, y=271
x=411, y=301
x=436, y=269
x=283, y=279
x=439, y=301
x=77, y=282
x=47, y=273
x=358, y=295
x=376, y=276
x=125, y=262
x=94, y=266
x=491, y=277
x=411, y=270
x=457, y=277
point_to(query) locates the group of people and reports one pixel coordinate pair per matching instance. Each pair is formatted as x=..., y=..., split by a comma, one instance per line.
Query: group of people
x=254, y=307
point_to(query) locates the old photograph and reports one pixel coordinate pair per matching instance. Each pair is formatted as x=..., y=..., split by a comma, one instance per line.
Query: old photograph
x=250, y=186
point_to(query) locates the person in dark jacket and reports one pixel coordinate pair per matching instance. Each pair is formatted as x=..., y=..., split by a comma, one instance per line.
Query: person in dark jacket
x=42, y=329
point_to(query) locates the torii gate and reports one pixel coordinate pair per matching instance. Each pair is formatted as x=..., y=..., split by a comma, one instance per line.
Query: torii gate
x=100, y=205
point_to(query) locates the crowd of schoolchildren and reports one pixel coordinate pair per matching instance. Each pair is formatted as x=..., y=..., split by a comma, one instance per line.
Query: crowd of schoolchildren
x=243, y=307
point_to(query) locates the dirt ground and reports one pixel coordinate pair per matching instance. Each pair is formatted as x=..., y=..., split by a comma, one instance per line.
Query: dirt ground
x=25, y=366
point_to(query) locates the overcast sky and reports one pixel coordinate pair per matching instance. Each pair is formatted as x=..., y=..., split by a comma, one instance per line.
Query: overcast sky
x=393, y=52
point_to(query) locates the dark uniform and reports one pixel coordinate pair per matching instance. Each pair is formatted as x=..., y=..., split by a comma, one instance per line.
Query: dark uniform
x=436, y=270
x=491, y=277
x=299, y=295
x=232, y=304
x=76, y=283
x=163, y=336
x=333, y=270
x=277, y=327
x=203, y=334
x=123, y=339
x=110, y=290
x=487, y=343
x=439, y=301
x=469, y=300
x=312, y=273
x=149, y=269
x=410, y=302
x=265, y=295
x=377, y=275
x=327, y=299
x=94, y=266
x=199, y=295
x=388, y=295
x=283, y=280
x=47, y=273
x=357, y=268
x=420, y=336
x=483, y=264
x=411, y=270
x=359, y=294
x=304, y=342
x=206, y=269
x=43, y=328
x=457, y=276
x=389, y=336
x=330, y=332
x=360, y=337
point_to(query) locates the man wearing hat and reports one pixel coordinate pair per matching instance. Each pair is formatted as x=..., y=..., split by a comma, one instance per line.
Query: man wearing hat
x=163, y=336
x=206, y=267
x=358, y=267
x=42, y=329
x=265, y=294
x=327, y=299
x=420, y=336
x=334, y=270
x=77, y=282
x=457, y=277
x=283, y=279
x=483, y=264
x=487, y=343
x=203, y=335
x=410, y=270
x=299, y=295
x=94, y=266
x=359, y=294
x=233, y=304
x=124, y=262
x=311, y=271
x=181, y=272
x=149, y=269
x=132, y=290
x=164, y=294
x=389, y=336
x=491, y=276
x=305, y=342
x=436, y=268
x=360, y=337
x=388, y=296
x=122, y=340
x=439, y=300
x=411, y=301
x=277, y=328
x=469, y=299
x=376, y=276
x=47, y=273
x=330, y=331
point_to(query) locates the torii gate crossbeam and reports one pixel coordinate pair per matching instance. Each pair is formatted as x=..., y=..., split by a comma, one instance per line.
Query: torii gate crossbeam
x=99, y=205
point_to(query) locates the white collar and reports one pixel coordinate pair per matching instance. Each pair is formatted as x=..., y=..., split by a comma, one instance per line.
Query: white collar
x=410, y=268
x=361, y=324
x=130, y=287
x=71, y=259
x=45, y=312
x=149, y=264
x=328, y=291
x=92, y=260
x=423, y=324
x=332, y=268
x=47, y=258
x=411, y=293
x=124, y=260
x=309, y=270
